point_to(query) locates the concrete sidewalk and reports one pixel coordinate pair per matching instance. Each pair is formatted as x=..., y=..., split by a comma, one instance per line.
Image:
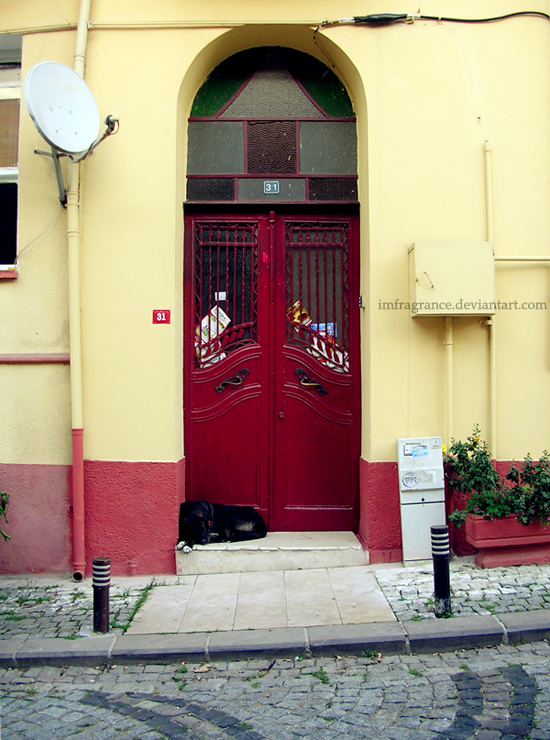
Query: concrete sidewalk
x=385, y=609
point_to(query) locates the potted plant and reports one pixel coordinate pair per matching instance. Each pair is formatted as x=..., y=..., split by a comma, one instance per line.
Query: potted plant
x=506, y=517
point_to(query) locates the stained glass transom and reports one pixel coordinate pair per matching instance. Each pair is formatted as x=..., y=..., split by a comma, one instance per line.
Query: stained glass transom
x=272, y=92
x=269, y=113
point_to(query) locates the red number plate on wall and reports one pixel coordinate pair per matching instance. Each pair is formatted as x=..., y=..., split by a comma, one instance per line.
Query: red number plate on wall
x=161, y=317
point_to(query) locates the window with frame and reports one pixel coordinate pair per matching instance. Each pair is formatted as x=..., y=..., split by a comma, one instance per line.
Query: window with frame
x=10, y=98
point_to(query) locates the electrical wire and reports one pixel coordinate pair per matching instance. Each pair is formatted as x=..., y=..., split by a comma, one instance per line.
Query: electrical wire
x=41, y=233
x=540, y=14
x=377, y=20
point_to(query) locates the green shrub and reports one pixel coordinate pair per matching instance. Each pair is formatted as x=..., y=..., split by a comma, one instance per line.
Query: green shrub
x=531, y=489
x=523, y=491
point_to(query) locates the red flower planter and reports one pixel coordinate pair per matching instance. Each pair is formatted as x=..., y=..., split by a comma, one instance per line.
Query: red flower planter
x=506, y=541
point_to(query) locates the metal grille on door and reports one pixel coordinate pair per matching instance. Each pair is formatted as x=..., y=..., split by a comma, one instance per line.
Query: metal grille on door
x=317, y=292
x=226, y=290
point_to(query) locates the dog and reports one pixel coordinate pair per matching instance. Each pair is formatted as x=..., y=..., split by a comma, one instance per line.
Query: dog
x=201, y=522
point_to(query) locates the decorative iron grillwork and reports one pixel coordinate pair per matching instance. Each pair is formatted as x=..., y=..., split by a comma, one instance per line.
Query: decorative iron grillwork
x=318, y=291
x=226, y=287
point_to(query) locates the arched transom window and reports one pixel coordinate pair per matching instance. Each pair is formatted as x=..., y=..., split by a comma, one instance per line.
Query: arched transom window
x=272, y=124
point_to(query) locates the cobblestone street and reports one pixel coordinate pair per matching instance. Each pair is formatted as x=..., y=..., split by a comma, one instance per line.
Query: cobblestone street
x=490, y=694
x=496, y=693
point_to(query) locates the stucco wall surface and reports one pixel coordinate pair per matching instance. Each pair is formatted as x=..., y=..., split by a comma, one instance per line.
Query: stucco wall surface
x=38, y=518
x=132, y=515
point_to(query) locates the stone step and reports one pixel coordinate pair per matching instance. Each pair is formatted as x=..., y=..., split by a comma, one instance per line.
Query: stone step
x=276, y=551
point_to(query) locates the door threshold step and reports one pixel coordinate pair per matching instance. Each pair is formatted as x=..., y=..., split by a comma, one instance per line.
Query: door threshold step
x=275, y=551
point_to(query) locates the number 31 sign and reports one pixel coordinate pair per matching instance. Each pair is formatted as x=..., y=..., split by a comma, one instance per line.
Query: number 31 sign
x=161, y=317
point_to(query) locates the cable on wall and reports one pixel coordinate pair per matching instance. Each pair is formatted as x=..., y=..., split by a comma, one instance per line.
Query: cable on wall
x=377, y=20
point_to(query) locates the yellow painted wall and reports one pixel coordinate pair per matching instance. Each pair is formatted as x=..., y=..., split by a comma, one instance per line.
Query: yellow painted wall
x=435, y=93
x=427, y=96
x=34, y=400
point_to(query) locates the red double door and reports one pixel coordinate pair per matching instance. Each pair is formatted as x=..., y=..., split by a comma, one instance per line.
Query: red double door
x=272, y=382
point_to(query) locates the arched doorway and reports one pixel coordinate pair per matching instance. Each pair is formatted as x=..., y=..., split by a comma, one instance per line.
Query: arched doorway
x=272, y=377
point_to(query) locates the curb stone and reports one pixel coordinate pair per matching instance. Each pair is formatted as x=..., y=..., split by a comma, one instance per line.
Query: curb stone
x=453, y=634
x=412, y=637
x=382, y=637
x=159, y=648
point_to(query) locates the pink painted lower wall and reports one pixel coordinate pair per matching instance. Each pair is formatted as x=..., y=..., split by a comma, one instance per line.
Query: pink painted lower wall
x=380, y=522
x=131, y=514
x=39, y=519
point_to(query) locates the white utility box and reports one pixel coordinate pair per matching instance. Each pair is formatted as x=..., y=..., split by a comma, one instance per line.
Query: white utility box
x=421, y=493
x=452, y=279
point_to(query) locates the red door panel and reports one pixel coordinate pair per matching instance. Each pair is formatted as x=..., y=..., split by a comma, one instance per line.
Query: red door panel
x=317, y=438
x=225, y=385
x=228, y=421
x=315, y=481
x=272, y=403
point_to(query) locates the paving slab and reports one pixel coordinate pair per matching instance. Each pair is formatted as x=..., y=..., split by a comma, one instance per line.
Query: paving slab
x=490, y=607
x=164, y=609
x=212, y=603
x=526, y=626
x=58, y=651
x=453, y=634
x=358, y=596
x=159, y=648
x=261, y=601
x=310, y=598
x=277, y=643
x=385, y=637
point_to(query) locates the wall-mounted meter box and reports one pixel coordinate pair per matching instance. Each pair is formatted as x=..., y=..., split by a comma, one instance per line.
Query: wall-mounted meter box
x=452, y=279
x=421, y=493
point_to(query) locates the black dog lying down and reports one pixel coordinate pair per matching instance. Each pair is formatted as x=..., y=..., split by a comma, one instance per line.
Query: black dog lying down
x=201, y=522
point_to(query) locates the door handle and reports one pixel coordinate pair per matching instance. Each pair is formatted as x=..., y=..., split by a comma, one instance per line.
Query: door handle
x=308, y=382
x=236, y=379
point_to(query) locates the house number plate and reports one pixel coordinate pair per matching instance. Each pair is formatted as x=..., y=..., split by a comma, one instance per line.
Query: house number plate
x=161, y=317
x=271, y=186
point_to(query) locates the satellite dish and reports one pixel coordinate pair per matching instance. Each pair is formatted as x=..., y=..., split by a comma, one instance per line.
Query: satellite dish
x=62, y=107
x=65, y=113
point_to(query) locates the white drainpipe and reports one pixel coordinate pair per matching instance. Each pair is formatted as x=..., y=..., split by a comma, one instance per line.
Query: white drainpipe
x=73, y=239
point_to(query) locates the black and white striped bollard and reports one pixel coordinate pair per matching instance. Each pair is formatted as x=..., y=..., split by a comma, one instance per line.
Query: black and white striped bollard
x=442, y=579
x=101, y=574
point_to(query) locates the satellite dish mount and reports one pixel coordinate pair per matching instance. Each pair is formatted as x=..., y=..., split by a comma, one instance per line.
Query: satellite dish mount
x=65, y=114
